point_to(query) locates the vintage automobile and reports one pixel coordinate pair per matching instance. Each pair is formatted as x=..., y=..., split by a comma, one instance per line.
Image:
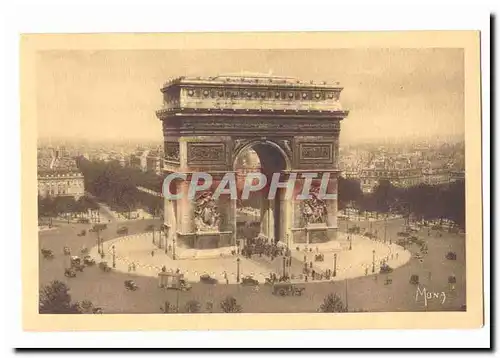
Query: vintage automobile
x=76, y=263
x=69, y=272
x=385, y=268
x=414, y=279
x=287, y=289
x=249, y=281
x=82, y=233
x=98, y=227
x=451, y=256
x=130, y=285
x=103, y=265
x=319, y=258
x=122, y=230
x=205, y=278
x=67, y=250
x=47, y=254
x=89, y=261
x=173, y=281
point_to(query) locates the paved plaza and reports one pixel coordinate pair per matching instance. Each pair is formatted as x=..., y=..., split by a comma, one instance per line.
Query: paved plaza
x=368, y=293
x=138, y=250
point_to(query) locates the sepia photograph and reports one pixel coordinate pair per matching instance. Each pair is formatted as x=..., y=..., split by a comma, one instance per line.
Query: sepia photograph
x=202, y=184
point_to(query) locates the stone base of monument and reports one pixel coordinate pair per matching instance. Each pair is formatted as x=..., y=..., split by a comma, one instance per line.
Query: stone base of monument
x=314, y=234
x=204, y=244
x=182, y=253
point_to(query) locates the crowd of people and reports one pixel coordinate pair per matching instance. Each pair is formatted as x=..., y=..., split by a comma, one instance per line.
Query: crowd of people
x=261, y=246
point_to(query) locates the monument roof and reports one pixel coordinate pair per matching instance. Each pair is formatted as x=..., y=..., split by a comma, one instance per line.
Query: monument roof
x=250, y=78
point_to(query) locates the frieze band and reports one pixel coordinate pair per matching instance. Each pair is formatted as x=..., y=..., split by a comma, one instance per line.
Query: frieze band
x=206, y=153
x=247, y=94
x=316, y=152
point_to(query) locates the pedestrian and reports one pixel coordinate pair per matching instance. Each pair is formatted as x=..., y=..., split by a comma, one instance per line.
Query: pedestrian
x=152, y=253
x=133, y=266
x=305, y=278
x=305, y=258
x=397, y=255
x=225, y=277
x=366, y=271
x=313, y=274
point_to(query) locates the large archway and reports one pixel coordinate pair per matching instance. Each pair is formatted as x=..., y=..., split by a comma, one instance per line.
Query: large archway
x=292, y=126
x=270, y=215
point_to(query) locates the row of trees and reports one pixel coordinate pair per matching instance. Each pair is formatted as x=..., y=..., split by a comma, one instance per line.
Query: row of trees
x=54, y=298
x=429, y=202
x=117, y=186
x=49, y=207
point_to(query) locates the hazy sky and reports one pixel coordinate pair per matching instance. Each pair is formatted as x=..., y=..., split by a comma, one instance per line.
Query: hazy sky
x=392, y=93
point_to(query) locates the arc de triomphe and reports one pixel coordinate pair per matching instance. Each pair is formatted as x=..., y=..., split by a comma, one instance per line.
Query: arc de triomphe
x=293, y=126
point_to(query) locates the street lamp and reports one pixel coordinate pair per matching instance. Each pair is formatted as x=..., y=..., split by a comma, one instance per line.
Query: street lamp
x=385, y=229
x=373, y=262
x=238, y=270
x=334, y=265
x=165, y=233
x=98, y=242
x=114, y=256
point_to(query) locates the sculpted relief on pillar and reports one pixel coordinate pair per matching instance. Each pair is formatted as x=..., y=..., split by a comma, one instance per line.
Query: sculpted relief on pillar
x=314, y=209
x=206, y=215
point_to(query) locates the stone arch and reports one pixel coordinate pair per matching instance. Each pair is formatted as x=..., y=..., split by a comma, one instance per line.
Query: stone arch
x=243, y=145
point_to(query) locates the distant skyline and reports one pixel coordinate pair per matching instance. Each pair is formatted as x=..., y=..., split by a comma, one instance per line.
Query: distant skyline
x=113, y=95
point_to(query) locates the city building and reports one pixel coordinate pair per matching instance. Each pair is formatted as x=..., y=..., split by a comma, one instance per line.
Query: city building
x=405, y=178
x=59, y=176
x=437, y=176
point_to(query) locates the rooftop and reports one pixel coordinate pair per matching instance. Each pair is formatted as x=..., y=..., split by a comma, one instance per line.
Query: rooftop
x=250, y=78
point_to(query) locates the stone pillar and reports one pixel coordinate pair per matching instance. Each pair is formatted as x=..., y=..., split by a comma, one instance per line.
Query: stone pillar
x=185, y=212
x=264, y=209
x=270, y=219
x=285, y=218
